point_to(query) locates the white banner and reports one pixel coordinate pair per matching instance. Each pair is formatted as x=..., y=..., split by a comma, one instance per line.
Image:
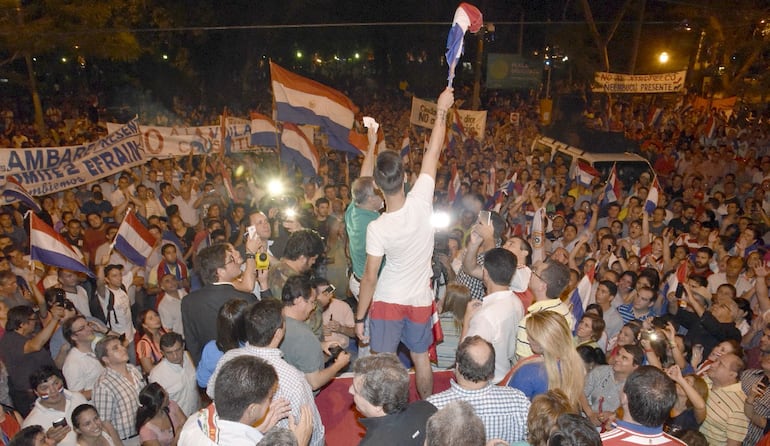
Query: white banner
x=424, y=115
x=42, y=171
x=168, y=142
x=642, y=83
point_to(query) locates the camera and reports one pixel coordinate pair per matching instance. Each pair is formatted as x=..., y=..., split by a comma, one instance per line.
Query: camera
x=60, y=422
x=262, y=261
x=61, y=300
x=335, y=351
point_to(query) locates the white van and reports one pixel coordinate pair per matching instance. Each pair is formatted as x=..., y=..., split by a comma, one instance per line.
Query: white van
x=630, y=166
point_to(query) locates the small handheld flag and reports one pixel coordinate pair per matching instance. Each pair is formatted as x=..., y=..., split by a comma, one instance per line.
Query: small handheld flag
x=134, y=240
x=467, y=18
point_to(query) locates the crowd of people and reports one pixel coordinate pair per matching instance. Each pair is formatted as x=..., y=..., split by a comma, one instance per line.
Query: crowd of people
x=251, y=303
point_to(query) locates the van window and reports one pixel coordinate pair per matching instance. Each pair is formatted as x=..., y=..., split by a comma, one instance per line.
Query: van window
x=628, y=171
x=567, y=158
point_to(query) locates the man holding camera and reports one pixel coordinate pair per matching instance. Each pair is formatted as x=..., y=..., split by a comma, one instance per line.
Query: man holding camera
x=301, y=348
x=401, y=299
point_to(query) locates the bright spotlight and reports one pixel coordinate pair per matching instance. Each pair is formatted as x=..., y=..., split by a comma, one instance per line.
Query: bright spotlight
x=440, y=220
x=275, y=187
x=663, y=57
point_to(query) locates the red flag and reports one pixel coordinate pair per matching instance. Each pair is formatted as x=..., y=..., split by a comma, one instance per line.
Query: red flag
x=438, y=334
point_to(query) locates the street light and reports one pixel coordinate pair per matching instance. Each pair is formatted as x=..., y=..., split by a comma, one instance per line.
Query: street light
x=663, y=58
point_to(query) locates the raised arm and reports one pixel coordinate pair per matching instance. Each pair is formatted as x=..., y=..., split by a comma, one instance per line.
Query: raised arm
x=436, y=143
x=367, y=166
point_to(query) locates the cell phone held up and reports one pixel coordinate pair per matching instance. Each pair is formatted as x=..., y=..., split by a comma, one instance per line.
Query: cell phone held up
x=485, y=217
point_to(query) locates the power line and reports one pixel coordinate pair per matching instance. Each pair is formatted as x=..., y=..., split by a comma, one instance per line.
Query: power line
x=311, y=26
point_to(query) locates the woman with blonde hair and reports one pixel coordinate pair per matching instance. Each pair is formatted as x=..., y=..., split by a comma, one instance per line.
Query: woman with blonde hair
x=555, y=364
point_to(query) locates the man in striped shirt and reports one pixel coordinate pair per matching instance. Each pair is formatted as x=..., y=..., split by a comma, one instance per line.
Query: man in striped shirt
x=725, y=423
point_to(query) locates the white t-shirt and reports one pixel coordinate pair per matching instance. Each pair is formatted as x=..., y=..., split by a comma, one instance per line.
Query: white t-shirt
x=405, y=238
x=170, y=312
x=497, y=321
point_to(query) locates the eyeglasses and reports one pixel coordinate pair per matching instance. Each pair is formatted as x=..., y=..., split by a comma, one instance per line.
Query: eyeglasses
x=537, y=275
x=230, y=260
x=80, y=329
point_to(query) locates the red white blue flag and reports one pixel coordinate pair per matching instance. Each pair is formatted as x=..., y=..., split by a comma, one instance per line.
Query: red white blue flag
x=51, y=248
x=263, y=131
x=467, y=18
x=405, y=149
x=134, y=240
x=298, y=151
x=585, y=174
x=579, y=298
x=454, y=185
x=612, y=189
x=652, y=196
x=653, y=117
x=12, y=191
x=301, y=100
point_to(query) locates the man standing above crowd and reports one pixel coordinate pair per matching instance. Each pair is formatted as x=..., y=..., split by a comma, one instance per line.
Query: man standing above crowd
x=401, y=298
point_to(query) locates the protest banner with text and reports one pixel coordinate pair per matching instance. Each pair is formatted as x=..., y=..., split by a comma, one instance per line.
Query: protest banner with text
x=641, y=83
x=424, y=114
x=46, y=170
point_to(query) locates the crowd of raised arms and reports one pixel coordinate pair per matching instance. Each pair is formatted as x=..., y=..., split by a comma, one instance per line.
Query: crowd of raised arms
x=252, y=302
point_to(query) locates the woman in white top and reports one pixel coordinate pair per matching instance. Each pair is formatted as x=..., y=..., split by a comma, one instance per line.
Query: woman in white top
x=92, y=430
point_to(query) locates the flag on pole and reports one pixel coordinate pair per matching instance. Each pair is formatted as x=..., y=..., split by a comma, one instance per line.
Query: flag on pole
x=652, y=196
x=134, y=240
x=304, y=101
x=467, y=18
x=579, y=298
x=405, y=148
x=585, y=173
x=51, y=248
x=454, y=185
x=12, y=191
x=612, y=189
x=263, y=131
x=297, y=150
x=653, y=117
